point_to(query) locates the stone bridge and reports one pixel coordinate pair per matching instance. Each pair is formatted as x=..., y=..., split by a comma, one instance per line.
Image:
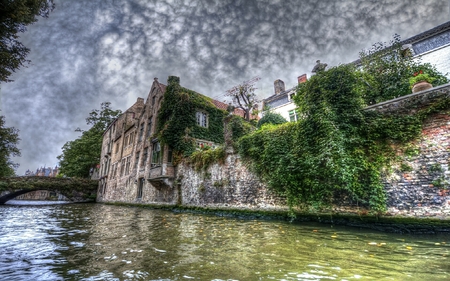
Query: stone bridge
x=75, y=189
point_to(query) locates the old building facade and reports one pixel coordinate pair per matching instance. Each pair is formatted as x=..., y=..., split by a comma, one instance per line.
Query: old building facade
x=135, y=166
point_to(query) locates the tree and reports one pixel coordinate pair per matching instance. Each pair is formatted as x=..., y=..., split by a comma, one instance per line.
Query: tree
x=15, y=15
x=386, y=70
x=244, y=96
x=9, y=138
x=271, y=118
x=83, y=154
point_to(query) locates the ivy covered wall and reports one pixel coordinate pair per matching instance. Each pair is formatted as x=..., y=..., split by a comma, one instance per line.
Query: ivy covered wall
x=177, y=124
x=338, y=151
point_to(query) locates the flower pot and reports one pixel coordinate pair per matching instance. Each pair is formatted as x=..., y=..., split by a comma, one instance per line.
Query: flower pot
x=421, y=86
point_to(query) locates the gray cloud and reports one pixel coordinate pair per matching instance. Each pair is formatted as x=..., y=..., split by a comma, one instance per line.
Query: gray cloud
x=88, y=52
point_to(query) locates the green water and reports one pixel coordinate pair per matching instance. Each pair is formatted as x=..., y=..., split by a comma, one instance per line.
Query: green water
x=101, y=242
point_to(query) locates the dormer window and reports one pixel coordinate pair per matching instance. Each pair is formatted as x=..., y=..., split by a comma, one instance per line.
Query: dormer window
x=202, y=119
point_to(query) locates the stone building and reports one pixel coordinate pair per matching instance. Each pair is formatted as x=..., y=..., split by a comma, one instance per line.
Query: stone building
x=134, y=165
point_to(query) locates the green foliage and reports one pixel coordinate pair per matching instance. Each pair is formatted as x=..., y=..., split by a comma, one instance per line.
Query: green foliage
x=9, y=138
x=338, y=151
x=419, y=78
x=201, y=159
x=85, y=188
x=15, y=15
x=271, y=118
x=81, y=155
x=177, y=126
x=386, y=71
x=239, y=127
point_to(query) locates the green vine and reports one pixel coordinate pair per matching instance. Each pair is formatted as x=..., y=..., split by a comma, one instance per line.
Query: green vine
x=176, y=125
x=338, y=151
x=202, y=159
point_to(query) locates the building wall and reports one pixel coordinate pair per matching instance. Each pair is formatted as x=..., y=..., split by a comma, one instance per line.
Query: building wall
x=230, y=185
x=422, y=191
x=440, y=58
x=126, y=154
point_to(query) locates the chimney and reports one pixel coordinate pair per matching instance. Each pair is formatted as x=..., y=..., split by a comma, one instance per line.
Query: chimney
x=302, y=78
x=278, y=85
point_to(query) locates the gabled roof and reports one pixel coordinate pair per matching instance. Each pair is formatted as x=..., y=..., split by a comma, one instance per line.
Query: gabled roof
x=279, y=96
x=224, y=106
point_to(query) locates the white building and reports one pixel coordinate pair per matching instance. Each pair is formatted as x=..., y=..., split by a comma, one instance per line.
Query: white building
x=431, y=46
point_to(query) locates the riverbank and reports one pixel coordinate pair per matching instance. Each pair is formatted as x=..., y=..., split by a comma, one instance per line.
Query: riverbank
x=392, y=224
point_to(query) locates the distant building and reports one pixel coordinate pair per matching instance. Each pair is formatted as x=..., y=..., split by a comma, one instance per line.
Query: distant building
x=42, y=194
x=281, y=102
x=43, y=172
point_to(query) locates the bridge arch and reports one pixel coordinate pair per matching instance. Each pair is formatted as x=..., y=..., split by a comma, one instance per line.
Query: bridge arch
x=75, y=189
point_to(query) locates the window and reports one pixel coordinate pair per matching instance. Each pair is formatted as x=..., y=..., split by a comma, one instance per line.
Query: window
x=144, y=156
x=131, y=138
x=115, y=170
x=117, y=147
x=122, y=167
x=156, y=154
x=125, y=143
x=169, y=155
x=141, y=132
x=293, y=115
x=140, y=188
x=136, y=162
x=202, y=119
x=153, y=100
x=127, y=167
x=149, y=127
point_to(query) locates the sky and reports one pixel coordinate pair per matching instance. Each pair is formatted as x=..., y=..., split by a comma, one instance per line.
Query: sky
x=92, y=51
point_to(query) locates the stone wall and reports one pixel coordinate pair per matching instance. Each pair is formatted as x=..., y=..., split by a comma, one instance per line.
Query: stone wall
x=420, y=184
x=420, y=181
x=229, y=185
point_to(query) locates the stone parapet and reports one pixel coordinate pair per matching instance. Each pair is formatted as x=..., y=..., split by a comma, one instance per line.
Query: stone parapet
x=413, y=102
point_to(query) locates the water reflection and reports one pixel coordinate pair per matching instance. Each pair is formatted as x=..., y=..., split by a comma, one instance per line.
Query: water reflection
x=100, y=242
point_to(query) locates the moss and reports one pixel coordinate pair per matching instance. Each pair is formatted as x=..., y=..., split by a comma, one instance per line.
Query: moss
x=66, y=186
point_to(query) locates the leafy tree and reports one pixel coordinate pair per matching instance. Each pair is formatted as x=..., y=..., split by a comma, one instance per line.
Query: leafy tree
x=81, y=155
x=386, y=69
x=15, y=15
x=271, y=118
x=244, y=96
x=9, y=138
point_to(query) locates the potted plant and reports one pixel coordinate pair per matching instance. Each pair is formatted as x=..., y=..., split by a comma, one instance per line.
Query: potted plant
x=420, y=81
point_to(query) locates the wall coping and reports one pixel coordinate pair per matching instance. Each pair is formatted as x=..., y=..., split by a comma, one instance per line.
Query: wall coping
x=405, y=102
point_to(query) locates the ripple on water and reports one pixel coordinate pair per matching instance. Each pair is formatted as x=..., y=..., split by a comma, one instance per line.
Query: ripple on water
x=100, y=242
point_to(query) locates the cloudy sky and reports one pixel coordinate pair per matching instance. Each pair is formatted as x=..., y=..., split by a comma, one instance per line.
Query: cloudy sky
x=91, y=51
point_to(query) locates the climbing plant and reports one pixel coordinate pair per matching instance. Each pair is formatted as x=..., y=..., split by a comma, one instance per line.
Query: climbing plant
x=337, y=151
x=271, y=118
x=177, y=124
x=387, y=68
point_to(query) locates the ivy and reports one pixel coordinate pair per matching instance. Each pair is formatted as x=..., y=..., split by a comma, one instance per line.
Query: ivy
x=338, y=151
x=271, y=118
x=202, y=159
x=176, y=124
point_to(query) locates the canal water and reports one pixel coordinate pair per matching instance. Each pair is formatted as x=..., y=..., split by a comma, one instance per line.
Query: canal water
x=103, y=242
